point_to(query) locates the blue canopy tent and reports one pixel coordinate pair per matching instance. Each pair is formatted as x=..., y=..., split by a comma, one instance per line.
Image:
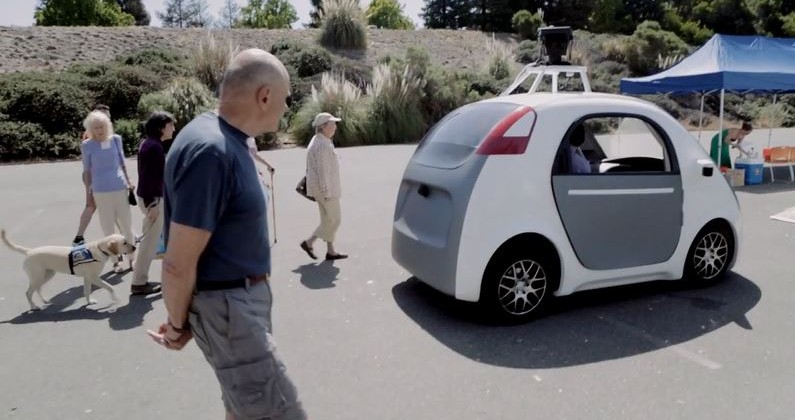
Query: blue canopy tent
x=726, y=63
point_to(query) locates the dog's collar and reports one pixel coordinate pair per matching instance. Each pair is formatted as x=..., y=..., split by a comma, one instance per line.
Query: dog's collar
x=102, y=250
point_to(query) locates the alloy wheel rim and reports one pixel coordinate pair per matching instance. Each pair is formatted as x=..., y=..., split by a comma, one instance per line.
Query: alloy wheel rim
x=522, y=287
x=711, y=255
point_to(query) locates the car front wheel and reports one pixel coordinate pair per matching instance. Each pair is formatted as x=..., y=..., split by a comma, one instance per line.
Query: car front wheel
x=710, y=254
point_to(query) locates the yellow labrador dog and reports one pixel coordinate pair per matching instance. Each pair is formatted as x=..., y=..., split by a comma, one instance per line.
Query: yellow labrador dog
x=43, y=262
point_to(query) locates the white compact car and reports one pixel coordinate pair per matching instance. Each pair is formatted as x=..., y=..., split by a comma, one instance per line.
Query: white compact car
x=498, y=205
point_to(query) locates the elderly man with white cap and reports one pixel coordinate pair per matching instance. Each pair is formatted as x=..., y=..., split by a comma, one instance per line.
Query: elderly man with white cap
x=323, y=184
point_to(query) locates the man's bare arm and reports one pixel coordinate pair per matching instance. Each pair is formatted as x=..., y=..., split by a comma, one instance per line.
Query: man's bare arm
x=185, y=246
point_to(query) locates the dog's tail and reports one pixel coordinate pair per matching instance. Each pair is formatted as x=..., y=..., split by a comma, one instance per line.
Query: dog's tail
x=12, y=246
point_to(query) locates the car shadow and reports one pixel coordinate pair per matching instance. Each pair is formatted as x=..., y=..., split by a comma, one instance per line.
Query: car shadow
x=318, y=276
x=119, y=318
x=585, y=327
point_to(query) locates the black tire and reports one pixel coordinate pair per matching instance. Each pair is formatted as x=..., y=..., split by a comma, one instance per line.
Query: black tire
x=509, y=301
x=710, y=255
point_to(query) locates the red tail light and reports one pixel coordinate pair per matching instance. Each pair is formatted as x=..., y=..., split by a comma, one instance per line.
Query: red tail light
x=511, y=135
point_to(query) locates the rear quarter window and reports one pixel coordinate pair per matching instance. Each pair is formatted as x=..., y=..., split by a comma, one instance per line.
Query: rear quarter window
x=458, y=135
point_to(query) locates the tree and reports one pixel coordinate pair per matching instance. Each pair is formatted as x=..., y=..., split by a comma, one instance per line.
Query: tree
x=725, y=16
x=450, y=14
x=136, y=9
x=789, y=24
x=314, y=15
x=185, y=14
x=230, y=14
x=388, y=14
x=81, y=13
x=270, y=14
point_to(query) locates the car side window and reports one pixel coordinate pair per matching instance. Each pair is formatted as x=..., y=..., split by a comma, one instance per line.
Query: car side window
x=613, y=144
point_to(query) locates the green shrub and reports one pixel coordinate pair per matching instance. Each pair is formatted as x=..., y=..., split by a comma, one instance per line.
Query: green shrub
x=694, y=33
x=57, y=104
x=306, y=60
x=21, y=140
x=122, y=87
x=444, y=91
x=341, y=98
x=184, y=98
x=395, y=114
x=343, y=25
x=131, y=131
x=526, y=24
x=210, y=59
x=162, y=61
x=649, y=42
x=527, y=52
x=89, y=70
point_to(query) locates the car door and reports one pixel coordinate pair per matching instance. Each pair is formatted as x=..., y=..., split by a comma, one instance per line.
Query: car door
x=628, y=211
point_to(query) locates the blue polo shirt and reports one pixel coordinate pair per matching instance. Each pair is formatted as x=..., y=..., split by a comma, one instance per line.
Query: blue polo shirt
x=211, y=184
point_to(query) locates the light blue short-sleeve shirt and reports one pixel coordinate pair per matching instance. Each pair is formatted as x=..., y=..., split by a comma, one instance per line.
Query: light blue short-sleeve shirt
x=103, y=160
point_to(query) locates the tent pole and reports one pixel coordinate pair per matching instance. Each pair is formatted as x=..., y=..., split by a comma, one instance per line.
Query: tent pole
x=770, y=129
x=720, y=132
x=701, y=117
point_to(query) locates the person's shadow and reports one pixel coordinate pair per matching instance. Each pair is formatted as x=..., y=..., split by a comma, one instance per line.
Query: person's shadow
x=318, y=276
x=119, y=318
x=586, y=327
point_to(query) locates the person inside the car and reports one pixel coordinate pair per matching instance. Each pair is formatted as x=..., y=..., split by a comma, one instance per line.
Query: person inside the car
x=578, y=163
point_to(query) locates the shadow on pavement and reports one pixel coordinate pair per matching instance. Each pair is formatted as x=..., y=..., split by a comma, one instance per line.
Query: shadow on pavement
x=318, y=276
x=586, y=327
x=119, y=317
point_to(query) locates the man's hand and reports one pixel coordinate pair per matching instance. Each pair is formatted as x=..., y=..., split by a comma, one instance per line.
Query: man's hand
x=169, y=338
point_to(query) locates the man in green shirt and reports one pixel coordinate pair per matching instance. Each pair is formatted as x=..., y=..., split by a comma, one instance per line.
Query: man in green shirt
x=731, y=137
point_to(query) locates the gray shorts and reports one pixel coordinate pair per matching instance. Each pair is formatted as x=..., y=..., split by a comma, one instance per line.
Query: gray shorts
x=233, y=330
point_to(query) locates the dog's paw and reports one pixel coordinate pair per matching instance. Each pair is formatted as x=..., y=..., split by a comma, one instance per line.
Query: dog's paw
x=91, y=302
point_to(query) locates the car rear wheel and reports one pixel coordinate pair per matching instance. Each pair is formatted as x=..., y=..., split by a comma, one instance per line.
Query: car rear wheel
x=516, y=287
x=710, y=254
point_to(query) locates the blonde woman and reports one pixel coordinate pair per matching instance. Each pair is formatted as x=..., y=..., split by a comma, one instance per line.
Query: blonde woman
x=106, y=177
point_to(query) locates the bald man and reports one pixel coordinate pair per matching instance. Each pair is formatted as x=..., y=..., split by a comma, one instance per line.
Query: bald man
x=216, y=270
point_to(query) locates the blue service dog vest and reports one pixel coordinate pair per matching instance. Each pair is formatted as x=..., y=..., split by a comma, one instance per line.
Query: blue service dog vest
x=79, y=255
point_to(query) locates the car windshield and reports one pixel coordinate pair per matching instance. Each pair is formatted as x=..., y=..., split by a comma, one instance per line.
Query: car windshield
x=453, y=140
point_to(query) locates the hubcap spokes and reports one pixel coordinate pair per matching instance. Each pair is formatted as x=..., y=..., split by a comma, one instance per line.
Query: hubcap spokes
x=711, y=255
x=522, y=287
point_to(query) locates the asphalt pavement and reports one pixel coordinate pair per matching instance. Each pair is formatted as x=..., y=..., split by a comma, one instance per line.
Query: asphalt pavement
x=363, y=341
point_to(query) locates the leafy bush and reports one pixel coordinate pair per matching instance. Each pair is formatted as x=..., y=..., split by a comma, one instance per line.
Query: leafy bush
x=395, y=114
x=57, y=104
x=527, y=52
x=22, y=140
x=210, y=60
x=343, y=25
x=131, y=131
x=647, y=43
x=162, y=61
x=122, y=87
x=694, y=33
x=341, y=98
x=526, y=24
x=184, y=98
x=306, y=60
x=444, y=91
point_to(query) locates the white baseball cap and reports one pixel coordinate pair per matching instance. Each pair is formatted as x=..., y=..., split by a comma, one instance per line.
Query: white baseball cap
x=323, y=118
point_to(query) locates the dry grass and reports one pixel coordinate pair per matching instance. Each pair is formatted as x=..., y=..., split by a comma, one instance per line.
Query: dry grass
x=53, y=48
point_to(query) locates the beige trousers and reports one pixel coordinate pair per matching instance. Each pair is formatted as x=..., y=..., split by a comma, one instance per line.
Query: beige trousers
x=114, y=209
x=330, y=218
x=147, y=249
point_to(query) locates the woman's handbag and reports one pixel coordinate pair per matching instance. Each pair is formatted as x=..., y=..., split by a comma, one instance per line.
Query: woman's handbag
x=301, y=189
